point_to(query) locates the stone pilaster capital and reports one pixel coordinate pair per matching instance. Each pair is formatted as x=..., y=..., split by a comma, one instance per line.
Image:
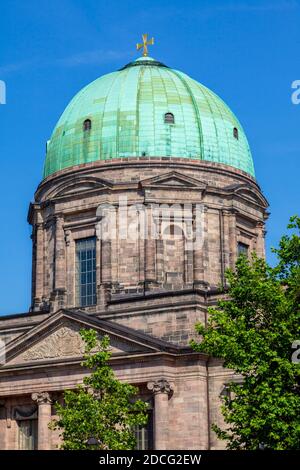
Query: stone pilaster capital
x=260, y=224
x=226, y=212
x=59, y=218
x=160, y=386
x=68, y=237
x=39, y=226
x=42, y=398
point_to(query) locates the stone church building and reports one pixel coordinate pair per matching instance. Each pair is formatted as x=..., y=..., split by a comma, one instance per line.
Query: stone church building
x=162, y=157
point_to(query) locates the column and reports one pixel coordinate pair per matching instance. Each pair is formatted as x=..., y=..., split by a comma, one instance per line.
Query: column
x=106, y=269
x=150, y=250
x=188, y=277
x=39, y=262
x=70, y=269
x=43, y=401
x=161, y=389
x=98, y=267
x=3, y=425
x=106, y=231
x=232, y=239
x=200, y=251
x=60, y=258
x=260, y=241
x=159, y=250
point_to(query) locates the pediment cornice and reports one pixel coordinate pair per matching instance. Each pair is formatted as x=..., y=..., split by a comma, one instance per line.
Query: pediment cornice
x=173, y=180
x=58, y=338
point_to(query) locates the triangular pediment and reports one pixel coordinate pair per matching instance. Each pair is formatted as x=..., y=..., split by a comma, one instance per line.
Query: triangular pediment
x=171, y=180
x=248, y=193
x=80, y=184
x=58, y=339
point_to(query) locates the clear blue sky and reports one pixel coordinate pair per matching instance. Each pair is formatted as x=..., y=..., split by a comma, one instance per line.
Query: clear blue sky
x=247, y=51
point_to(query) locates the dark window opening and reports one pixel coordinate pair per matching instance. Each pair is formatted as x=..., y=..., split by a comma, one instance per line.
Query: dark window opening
x=236, y=133
x=86, y=272
x=144, y=434
x=28, y=433
x=169, y=118
x=242, y=249
x=87, y=125
x=173, y=231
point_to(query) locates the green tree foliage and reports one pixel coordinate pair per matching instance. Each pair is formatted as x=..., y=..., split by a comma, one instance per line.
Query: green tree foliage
x=252, y=331
x=102, y=412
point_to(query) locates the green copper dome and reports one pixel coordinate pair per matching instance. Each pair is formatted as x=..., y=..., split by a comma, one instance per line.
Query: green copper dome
x=123, y=114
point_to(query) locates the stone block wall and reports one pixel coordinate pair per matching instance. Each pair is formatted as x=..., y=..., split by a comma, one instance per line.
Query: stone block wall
x=65, y=210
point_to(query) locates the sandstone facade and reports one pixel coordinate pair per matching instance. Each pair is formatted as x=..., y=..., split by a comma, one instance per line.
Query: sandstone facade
x=150, y=292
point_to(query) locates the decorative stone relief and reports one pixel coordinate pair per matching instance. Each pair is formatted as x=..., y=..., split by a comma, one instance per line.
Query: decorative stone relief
x=41, y=398
x=65, y=342
x=160, y=386
x=25, y=412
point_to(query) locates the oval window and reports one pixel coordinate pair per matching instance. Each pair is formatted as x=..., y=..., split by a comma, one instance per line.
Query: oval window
x=169, y=118
x=87, y=125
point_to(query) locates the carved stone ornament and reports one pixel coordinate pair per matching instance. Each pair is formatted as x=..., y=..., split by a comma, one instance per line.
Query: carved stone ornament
x=41, y=398
x=64, y=342
x=25, y=412
x=68, y=237
x=160, y=386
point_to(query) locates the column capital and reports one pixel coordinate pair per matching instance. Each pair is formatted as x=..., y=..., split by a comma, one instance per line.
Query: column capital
x=160, y=386
x=59, y=220
x=260, y=224
x=41, y=398
x=68, y=237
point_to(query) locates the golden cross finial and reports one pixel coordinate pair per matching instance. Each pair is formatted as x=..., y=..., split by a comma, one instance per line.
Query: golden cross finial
x=145, y=44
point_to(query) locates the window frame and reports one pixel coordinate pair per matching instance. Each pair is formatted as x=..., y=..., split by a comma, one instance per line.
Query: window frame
x=86, y=272
x=242, y=249
x=167, y=116
x=87, y=125
x=144, y=435
x=30, y=441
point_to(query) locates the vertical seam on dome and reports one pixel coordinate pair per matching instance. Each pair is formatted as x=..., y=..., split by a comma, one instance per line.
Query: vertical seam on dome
x=184, y=127
x=118, y=112
x=226, y=133
x=139, y=81
x=103, y=113
x=153, y=116
x=58, y=152
x=166, y=95
x=79, y=96
x=203, y=91
x=250, y=163
x=196, y=112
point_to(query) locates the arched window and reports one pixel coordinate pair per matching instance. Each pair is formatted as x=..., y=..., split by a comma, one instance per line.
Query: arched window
x=236, y=133
x=87, y=125
x=173, y=231
x=169, y=118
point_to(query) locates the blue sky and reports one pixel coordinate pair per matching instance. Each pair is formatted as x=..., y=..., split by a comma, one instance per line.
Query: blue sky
x=246, y=51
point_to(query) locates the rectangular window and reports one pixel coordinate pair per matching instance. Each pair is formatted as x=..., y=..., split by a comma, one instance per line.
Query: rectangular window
x=242, y=249
x=144, y=435
x=28, y=432
x=86, y=272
